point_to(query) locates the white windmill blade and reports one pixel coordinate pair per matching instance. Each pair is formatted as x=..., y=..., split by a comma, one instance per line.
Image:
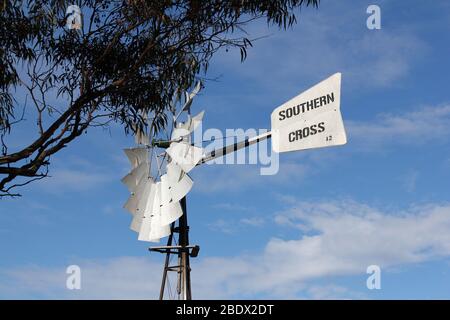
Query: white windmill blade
x=137, y=223
x=180, y=182
x=165, y=191
x=150, y=215
x=146, y=199
x=136, y=156
x=132, y=179
x=193, y=122
x=135, y=196
x=189, y=99
x=170, y=212
x=170, y=209
x=185, y=129
x=179, y=134
x=174, y=172
x=185, y=155
x=312, y=119
x=142, y=219
x=182, y=188
x=196, y=120
x=157, y=230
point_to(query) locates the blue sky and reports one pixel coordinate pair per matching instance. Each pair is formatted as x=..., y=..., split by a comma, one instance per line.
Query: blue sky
x=308, y=232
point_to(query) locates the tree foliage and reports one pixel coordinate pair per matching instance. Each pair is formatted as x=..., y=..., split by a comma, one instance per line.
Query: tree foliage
x=130, y=58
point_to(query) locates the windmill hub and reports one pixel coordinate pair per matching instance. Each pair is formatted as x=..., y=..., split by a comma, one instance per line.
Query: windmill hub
x=164, y=144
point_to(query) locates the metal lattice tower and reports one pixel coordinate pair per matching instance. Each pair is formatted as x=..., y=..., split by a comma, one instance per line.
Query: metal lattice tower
x=183, y=252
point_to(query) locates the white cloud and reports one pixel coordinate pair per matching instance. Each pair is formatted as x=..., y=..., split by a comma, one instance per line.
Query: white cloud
x=253, y=221
x=70, y=179
x=75, y=174
x=357, y=233
x=330, y=40
x=410, y=181
x=342, y=238
x=232, y=226
x=338, y=238
x=118, y=278
x=333, y=292
x=232, y=207
x=416, y=127
x=224, y=226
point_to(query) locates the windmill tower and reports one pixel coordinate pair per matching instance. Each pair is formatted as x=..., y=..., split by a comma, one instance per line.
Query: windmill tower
x=157, y=202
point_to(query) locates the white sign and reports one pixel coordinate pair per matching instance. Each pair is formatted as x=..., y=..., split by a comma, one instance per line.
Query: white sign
x=310, y=120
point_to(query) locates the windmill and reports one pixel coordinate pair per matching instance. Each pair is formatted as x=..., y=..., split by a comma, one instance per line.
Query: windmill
x=159, y=178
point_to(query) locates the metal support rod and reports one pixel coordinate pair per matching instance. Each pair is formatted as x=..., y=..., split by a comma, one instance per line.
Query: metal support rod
x=183, y=251
x=234, y=147
x=166, y=264
x=185, y=273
